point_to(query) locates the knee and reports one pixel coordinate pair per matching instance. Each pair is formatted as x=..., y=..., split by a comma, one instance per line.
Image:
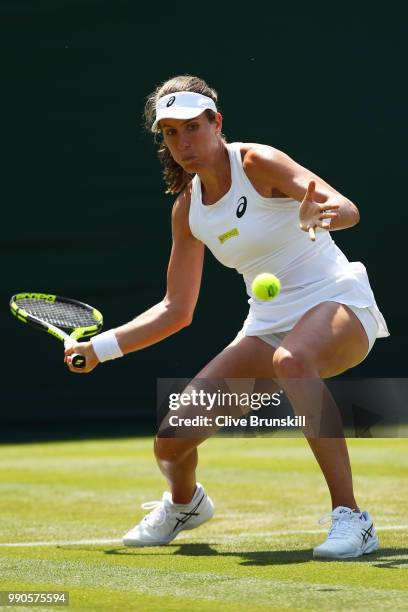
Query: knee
x=294, y=363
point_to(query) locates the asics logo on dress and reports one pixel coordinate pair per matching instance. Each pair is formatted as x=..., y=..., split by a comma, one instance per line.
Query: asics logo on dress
x=242, y=206
x=187, y=515
x=367, y=533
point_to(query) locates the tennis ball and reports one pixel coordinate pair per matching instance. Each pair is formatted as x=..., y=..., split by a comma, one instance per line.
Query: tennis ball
x=266, y=286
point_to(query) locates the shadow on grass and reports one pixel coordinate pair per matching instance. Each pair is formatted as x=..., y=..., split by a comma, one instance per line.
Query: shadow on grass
x=386, y=558
x=258, y=557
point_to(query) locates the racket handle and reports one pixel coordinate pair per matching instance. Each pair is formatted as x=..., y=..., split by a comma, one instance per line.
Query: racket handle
x=78, y=361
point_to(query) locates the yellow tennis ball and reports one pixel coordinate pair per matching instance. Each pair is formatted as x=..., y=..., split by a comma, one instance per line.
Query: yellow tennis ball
x=266, y=286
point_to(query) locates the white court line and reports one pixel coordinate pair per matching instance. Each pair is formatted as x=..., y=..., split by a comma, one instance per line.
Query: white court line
x=59, y=543
x=247, y=535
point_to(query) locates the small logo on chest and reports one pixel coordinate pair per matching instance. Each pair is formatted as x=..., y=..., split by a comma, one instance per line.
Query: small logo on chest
x=224, y=237
x=242, y=206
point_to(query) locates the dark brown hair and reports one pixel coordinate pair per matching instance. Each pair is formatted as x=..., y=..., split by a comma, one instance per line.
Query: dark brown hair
x=174, y=176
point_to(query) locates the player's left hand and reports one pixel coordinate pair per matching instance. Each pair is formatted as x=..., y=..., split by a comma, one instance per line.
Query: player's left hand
x=81, y=348
x=312, y=214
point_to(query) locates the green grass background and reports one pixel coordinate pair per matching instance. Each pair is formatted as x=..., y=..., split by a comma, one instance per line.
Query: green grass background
x=249, y=557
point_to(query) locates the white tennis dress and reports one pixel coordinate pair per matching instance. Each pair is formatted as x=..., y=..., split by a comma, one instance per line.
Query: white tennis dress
x=254, y=234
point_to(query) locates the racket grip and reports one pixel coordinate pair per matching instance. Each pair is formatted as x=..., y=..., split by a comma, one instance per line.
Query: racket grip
x=78, y=361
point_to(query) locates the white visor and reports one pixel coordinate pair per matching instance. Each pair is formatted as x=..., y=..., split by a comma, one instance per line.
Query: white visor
x=182, y=105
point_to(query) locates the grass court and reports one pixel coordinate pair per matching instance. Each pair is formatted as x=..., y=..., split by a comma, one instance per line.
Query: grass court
x=65, y=505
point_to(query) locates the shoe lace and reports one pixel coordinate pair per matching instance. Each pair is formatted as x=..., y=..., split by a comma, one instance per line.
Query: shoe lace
x=158, y=515
x=342, y=524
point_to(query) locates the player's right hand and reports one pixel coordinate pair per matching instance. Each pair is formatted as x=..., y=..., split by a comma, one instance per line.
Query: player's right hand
x=80, y=348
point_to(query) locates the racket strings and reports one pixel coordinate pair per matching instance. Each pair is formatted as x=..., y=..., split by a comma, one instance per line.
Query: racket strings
x=60, y=314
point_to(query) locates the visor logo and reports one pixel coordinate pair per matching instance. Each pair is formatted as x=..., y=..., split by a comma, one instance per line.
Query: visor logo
x=242, y=206
x=171, y=101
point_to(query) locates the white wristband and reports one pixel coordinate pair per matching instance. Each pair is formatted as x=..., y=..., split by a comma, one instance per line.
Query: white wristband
x=106, y=346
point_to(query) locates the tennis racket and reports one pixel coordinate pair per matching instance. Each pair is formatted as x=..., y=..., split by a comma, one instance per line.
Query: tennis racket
x=61, y=317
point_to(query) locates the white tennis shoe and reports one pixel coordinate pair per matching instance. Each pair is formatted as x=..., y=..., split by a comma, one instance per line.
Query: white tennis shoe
x=352, y=534
x=167, y=519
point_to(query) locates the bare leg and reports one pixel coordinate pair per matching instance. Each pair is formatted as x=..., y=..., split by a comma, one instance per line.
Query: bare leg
x=333, y=459
x=310, y=397
x=180, y=471
x=177, y=457
x=328, y=340
x=308, y=352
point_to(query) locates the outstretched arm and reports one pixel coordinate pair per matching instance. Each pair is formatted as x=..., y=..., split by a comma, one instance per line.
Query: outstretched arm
x=175, y=310
x=321, y=205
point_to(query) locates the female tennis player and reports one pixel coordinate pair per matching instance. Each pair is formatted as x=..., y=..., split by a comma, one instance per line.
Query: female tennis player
x=258, y=211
